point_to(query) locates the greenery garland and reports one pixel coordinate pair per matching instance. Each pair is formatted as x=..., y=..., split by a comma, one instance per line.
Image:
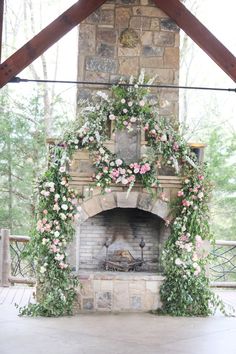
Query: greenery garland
x=186, y=288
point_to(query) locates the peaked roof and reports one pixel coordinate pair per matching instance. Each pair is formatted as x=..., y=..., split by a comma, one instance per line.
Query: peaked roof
x=83, y=8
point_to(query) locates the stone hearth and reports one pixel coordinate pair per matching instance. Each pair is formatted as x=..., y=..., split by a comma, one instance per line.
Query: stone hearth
x=116, y=291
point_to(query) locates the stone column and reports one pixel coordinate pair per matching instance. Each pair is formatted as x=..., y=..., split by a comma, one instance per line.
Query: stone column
x=121, y=38
x=5, y=262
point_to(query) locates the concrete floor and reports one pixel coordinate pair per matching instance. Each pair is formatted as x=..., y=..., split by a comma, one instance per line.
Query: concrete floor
x=135, y=333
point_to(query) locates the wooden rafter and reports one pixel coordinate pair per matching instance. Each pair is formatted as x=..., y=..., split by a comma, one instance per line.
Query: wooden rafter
x=46, y=38
x=200, y=34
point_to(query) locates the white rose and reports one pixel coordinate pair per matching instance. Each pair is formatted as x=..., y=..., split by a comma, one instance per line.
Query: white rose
x=42, y=270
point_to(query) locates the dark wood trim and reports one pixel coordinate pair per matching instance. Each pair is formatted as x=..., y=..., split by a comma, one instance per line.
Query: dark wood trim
x=1, y=26
x=46, y=38
x=200, y=34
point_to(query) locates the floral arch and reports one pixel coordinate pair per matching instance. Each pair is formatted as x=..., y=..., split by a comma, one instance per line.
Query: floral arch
x=186, y=289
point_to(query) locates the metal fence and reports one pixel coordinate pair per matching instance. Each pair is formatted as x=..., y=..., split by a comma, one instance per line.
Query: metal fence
x=16, y=269
x=223, y=266
x=13, y=267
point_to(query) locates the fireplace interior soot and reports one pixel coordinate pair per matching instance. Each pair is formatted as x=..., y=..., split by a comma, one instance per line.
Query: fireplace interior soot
x=122, y=260
x=122, y=239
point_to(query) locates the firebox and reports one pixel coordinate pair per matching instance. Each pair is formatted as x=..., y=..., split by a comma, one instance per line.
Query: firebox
x=122, y=239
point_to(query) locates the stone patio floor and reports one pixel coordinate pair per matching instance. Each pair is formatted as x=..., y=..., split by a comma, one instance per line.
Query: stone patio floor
x=105, y=333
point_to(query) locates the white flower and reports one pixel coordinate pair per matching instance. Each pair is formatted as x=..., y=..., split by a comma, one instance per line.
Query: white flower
x=200, y=195
x=112, y=117
x=62, y=216
x=44, y=241
x=133, y=119
x=59, y=257
x=102, y=95
x=125, y=110
x=64, y=206
x=57, y=196
x=130, y=104
x=56, y=233
x=124, y=181
x=102, y=151
x=119, y=162
x=122, y=100
x=141, y=103
x=164, y=137
x=42, y=269
x=178, y=261
x=62, y=169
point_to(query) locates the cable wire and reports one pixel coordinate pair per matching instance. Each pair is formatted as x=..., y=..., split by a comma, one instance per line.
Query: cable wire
x=19, y=80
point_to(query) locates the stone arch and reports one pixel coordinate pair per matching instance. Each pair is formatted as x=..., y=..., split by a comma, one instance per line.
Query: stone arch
x=139, y=200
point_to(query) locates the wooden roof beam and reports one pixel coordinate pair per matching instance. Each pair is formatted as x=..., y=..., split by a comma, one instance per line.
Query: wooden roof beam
x=46, y=38
x=200, y=35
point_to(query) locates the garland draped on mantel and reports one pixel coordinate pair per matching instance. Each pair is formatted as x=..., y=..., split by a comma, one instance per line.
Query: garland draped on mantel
x=186, y=290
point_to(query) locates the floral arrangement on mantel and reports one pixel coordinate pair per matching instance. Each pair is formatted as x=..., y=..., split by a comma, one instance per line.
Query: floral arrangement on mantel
x=186, y=290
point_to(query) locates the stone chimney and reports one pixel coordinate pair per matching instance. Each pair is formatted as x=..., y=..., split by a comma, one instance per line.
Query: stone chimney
x=121, y=38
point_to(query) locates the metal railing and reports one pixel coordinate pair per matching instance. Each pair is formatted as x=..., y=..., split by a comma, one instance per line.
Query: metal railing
x=223, y=266
x=13, y=267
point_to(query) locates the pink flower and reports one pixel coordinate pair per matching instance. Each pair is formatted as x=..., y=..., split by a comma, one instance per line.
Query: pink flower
x=125, y=122
x=131, y=178
x=201, y=177
x=125, y=110
x=115, y=173
x=186, y=203
x=175, y=146
x=180, y=193
x=63, y=265
x=144, y=168
x=45, y=212
x=47, y=227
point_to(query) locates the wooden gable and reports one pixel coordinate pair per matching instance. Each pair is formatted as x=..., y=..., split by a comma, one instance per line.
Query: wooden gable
x=83, y=8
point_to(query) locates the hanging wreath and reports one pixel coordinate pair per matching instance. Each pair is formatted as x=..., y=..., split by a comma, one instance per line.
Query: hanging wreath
x=186, y=289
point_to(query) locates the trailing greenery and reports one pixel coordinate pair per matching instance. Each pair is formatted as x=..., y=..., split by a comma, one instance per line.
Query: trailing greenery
x=186, y=289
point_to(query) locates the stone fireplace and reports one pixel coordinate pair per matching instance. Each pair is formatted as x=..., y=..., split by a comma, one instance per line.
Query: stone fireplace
x=119, y=39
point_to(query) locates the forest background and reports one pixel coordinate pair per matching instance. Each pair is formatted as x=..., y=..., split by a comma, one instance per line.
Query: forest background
x=31, y=113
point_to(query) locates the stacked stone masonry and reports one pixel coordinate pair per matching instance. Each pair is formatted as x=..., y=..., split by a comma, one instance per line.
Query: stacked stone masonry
x=123, y=37
x=119, y=292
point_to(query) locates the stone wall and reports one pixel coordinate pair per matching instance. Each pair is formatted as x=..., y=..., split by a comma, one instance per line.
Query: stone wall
x=124, y=36
x=119, y=291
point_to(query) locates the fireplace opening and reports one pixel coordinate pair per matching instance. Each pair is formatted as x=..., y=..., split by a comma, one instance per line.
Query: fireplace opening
x=122, y=239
